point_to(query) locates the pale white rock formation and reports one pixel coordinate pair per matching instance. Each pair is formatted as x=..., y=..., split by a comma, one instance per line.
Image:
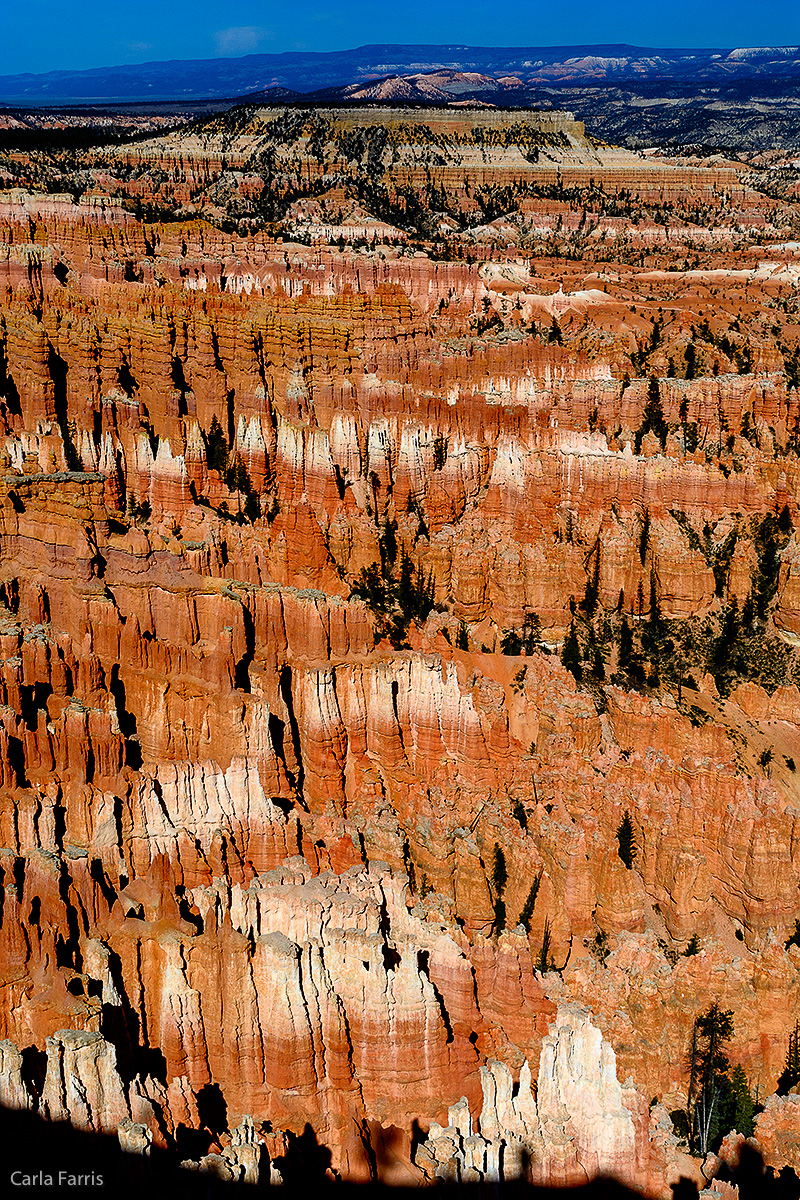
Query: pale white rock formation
x=578, y=1077
x=244, y=1160
x=82, y=1084
x=214, y=1165
x=577, y=1125
x=720, y=1190
x=133, y=1137
x=13, y=1093
x=246, y=1152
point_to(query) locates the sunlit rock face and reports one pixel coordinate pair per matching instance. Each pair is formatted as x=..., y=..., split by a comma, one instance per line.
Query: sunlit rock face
x=577, y=1125
x=367, y=554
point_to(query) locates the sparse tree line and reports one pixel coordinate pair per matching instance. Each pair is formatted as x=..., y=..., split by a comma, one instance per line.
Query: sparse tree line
x=544, y=960
x=395, y=590
x=719, y=1098
x=643, y=649
x=231, y=468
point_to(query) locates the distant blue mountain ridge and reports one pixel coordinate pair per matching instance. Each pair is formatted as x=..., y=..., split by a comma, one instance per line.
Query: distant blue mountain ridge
x=309, y=72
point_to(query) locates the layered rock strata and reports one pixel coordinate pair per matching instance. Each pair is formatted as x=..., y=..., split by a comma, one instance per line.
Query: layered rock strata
x=264, y=851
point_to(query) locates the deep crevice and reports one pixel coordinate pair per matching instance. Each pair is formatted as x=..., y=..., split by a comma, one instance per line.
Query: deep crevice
x=423, y=966
x=294, y=730
x=242, y=669
x=59, y=370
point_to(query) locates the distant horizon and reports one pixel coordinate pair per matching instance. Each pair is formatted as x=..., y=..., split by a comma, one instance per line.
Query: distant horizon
x=453, y=45
x=103, y=37
x=697, y=48
x=318, y=74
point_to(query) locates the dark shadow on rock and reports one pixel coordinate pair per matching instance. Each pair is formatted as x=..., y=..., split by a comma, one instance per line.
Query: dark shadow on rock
x=305, y=1162
x=60, y=1161
x=390, y=1144
x=212, y=1109
x=191, y=1143
x=787, y=1185
x=756, y=1181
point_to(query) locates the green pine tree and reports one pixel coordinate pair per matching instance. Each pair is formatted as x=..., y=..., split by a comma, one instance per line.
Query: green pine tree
x=499, y=871
x=743, y=1103
x=216, y=447
x=652, y=418
x=544, y=961
x=625, y=653
x=627, y=841
x=530, y=903
x=791, y=1072
x=571, y=653
x=709, y=1084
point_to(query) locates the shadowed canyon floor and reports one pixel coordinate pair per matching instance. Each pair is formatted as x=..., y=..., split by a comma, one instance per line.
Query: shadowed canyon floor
x=398, y=647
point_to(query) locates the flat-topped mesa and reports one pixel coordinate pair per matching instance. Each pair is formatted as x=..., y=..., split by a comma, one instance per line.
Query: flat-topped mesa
x=452, y=121
x=463, y=152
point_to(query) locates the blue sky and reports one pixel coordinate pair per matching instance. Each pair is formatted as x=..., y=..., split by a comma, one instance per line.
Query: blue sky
x=43, y=35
